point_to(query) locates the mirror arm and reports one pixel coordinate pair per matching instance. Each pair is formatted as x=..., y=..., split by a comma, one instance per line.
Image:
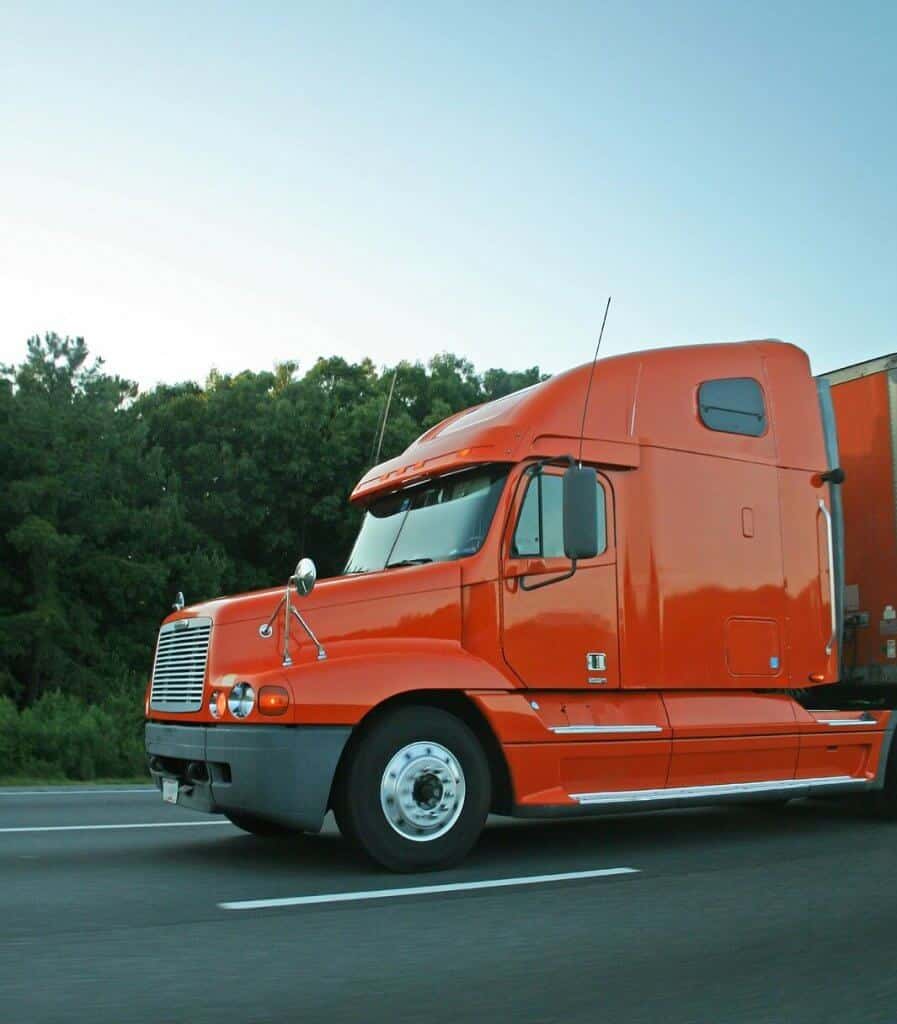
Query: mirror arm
x=551, y=460
x=288, y=611
x=322, y=654
x=536, y=467
x=266, y=631
x=547, y=583
x=287, y=608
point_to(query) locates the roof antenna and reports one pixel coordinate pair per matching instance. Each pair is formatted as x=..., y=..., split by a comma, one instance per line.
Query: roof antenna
x=585, y=408
x=392, y=387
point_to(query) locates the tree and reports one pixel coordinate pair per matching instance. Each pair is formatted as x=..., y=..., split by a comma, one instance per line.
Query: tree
x=115, y=500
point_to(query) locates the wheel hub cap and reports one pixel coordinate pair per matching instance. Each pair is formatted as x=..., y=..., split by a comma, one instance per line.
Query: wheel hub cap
x=422, y=791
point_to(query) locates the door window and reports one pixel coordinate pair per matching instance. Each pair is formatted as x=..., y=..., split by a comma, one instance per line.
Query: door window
x=540, y=525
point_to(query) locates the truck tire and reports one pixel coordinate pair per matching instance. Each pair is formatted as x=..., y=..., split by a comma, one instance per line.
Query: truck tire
x=259, y=826
x=415, y=790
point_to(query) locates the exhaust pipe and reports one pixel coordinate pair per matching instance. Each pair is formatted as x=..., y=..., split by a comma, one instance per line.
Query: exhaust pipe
x=197, y=772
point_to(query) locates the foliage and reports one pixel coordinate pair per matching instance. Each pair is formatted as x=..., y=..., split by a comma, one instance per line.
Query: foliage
x=62, y=736
x=114, y=500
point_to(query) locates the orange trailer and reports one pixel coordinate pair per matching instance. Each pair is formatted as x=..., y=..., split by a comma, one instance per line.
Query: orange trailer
x=864, y=397
x=542, y=620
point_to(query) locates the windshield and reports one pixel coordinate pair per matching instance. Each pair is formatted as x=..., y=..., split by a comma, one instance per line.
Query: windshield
x=438, y=521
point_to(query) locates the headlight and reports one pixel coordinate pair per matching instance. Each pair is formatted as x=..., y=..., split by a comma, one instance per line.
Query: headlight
x=241, y=700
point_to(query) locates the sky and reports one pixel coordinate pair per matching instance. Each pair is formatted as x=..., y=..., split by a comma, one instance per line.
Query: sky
x=236, y=185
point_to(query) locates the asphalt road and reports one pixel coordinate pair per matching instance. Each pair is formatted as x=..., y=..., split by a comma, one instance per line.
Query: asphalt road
x=730, y=914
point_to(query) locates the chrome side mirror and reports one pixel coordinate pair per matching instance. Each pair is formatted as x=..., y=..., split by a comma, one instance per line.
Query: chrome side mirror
x=303, y=579
x=305, y=576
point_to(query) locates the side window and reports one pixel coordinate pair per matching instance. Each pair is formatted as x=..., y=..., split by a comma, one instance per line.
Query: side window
x=540, y=525
x=733, y=405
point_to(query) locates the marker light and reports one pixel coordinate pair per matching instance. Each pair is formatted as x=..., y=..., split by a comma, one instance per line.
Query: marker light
x=217, y=704
x=273, y=700
x=241, y=700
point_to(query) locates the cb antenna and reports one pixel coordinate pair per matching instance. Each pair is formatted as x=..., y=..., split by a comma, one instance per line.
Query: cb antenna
x=392, y=388
x=585, y=407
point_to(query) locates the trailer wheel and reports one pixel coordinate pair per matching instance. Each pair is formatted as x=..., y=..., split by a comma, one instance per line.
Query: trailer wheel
x=415, y=791
x=259, y=826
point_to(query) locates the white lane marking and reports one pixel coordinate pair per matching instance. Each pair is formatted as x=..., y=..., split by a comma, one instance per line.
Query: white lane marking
x=74, y=792
x=423, y=890
x=88, y=828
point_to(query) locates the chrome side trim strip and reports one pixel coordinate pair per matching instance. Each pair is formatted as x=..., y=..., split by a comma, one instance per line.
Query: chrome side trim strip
x=607, y=730
x=728, y=789
x=846, y=721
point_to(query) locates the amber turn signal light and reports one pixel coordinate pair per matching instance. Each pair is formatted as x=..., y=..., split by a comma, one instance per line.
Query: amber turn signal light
x=273, y=700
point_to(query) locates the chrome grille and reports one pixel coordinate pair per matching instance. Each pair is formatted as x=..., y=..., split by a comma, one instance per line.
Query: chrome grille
x=179, y=671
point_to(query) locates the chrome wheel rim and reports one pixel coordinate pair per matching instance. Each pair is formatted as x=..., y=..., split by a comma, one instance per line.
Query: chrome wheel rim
x=422, y=791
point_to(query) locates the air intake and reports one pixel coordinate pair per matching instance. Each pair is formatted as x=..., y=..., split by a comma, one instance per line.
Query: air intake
x=179, y=671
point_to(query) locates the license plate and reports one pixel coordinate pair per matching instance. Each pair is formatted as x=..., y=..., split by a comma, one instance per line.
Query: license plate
x=170, y=791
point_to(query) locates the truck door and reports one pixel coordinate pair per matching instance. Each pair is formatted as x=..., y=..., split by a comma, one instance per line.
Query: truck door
x=558, y=635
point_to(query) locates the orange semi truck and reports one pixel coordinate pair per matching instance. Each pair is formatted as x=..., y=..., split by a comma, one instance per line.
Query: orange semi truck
x=647, y=582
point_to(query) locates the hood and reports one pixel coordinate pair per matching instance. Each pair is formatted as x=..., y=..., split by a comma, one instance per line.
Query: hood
x=419, y=601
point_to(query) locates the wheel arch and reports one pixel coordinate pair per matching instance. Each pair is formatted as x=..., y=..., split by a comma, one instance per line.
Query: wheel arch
x=454, y=702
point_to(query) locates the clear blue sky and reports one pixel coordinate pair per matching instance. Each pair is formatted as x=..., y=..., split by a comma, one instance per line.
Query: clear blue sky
x=238, y=184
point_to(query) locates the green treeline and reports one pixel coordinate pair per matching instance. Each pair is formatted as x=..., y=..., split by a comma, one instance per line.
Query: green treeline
x=114, y=499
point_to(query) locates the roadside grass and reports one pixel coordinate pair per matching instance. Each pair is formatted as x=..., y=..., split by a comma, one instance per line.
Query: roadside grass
x=12, y=781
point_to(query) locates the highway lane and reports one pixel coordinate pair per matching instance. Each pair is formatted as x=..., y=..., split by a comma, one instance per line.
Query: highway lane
x=734, y=914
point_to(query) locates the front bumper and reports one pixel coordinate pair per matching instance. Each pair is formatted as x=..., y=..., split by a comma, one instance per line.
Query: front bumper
x=282, y=773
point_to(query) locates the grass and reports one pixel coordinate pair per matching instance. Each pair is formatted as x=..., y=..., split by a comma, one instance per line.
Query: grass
x=25, y=780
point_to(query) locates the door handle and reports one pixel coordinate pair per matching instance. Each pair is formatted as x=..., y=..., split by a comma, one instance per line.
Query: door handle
x=525, y=567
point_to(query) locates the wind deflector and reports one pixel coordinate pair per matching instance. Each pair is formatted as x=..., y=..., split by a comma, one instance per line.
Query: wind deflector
x=830, y=435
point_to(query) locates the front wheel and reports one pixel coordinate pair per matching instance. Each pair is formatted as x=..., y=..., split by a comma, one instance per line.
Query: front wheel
x=415, y=790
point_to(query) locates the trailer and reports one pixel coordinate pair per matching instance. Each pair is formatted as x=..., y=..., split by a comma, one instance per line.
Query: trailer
x=864, y=400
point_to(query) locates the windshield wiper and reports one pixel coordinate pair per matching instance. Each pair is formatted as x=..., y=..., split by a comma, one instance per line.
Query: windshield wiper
x=407, y=561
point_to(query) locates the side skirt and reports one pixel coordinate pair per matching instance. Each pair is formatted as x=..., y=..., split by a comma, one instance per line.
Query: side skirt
x=629, y=801
x=693, y=796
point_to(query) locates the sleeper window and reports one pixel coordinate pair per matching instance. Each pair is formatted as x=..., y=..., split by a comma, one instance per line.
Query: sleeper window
x=733, y=405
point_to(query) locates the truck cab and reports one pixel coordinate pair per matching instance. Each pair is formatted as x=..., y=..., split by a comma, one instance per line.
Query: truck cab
x=612, y=590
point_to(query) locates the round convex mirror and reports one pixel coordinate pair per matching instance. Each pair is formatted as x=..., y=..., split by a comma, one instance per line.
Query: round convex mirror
x=305, y=576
